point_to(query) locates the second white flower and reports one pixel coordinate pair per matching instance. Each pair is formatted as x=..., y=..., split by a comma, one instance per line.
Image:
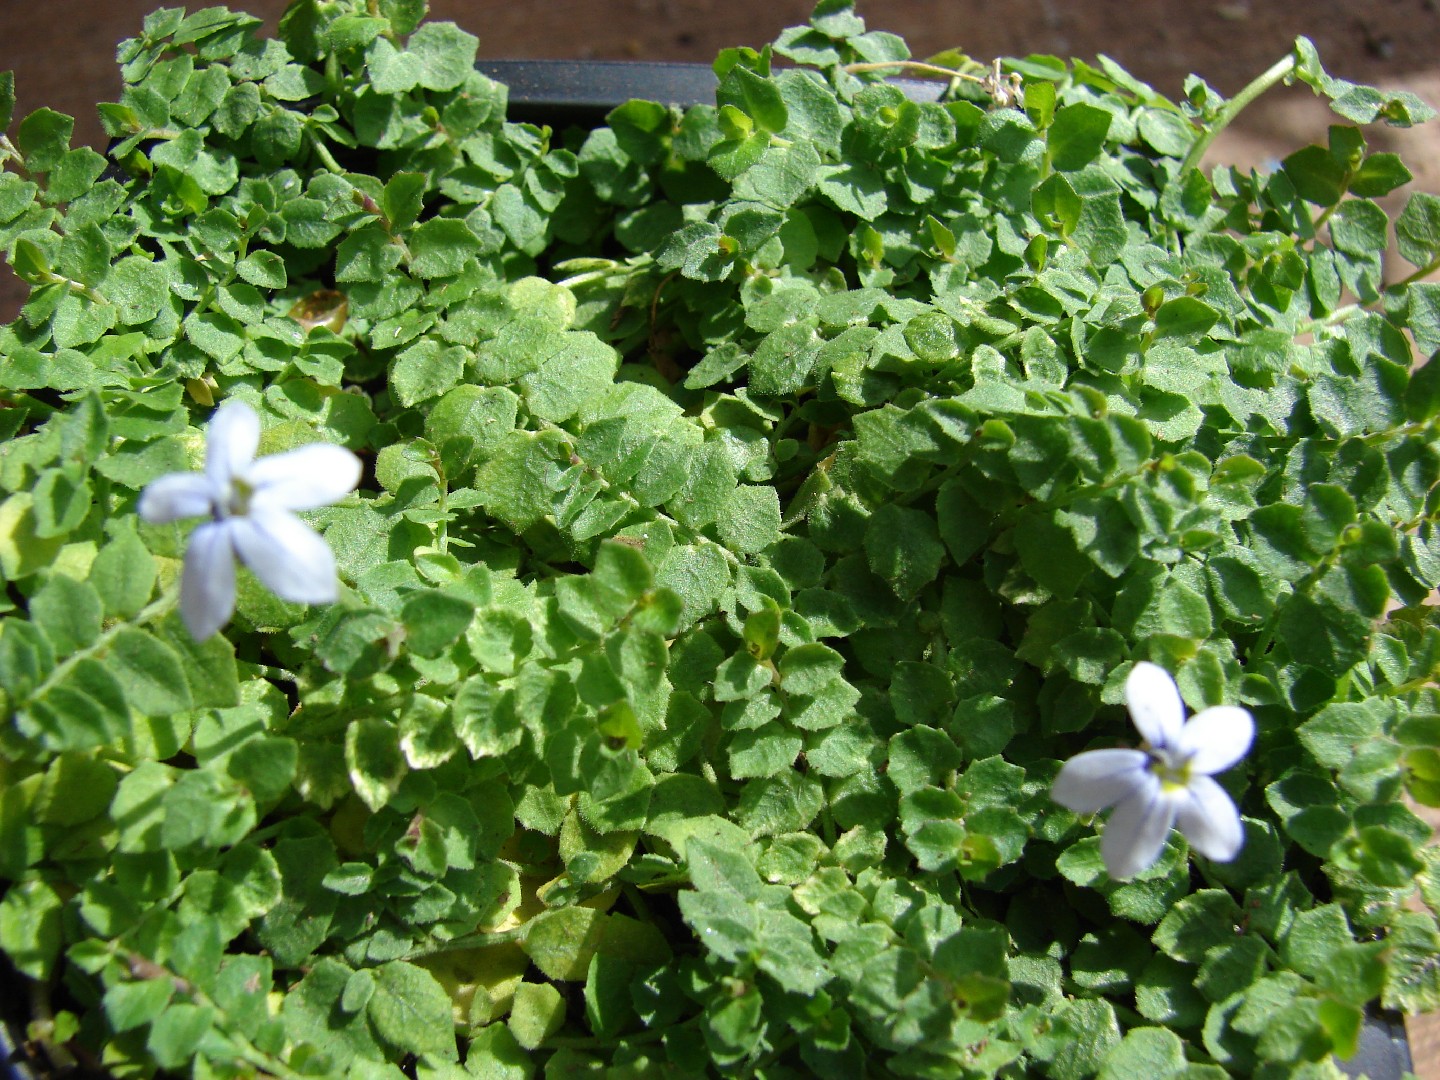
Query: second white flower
x=1166, y=785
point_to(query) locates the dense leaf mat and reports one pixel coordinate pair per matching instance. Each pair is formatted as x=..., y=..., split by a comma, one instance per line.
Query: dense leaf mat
x=761, y=502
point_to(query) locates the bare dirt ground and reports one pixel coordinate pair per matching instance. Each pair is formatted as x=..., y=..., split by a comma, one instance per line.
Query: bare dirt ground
x=62, y=52
x=61, y=49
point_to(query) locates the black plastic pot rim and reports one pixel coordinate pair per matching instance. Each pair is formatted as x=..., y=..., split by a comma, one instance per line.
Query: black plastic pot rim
x=560, y=92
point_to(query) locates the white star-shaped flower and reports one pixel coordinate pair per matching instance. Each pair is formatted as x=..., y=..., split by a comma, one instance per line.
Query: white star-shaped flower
x=251, y=507
x=1165, y=785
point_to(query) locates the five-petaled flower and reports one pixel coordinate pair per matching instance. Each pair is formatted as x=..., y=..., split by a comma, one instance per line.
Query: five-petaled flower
x=251, y=508
x=1165, y=785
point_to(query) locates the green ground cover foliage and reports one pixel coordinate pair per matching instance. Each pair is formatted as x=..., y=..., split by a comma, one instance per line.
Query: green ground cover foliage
x=762, y=501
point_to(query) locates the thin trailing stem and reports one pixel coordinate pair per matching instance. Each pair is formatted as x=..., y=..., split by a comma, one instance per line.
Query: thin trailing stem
x=9, y=153
x=96, y=648
x=1423, y=682
x=465, y=942
x=917, y=66
x=322, y=151
x=586, y=277
x=1277, y=73
x=1339, y=315
x=52, y=278
x=1423, y=272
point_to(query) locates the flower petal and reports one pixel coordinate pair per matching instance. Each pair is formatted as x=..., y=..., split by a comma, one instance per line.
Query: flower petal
x=207, y=584
x=1137, y=830
x=1099, y=778
x=290, y=558
x=179, y=495
x=230, y=442
x=1210, y=821
x=1154, y=703
x=1216, y=738
x=304, y=478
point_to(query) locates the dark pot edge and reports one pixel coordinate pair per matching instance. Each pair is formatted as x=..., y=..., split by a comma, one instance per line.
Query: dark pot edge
x=1384, y=1049
x=562, y=92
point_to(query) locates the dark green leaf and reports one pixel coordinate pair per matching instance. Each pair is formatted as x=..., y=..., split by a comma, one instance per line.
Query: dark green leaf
x=1076, y=136
x=411, y=1011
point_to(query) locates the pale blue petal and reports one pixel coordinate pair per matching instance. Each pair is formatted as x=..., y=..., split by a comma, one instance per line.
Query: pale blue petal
x=1154, y=703
x=1099, y=778
x=207, y=584
x=230, y=442
x=290, y=558
x=1137, y=829
x=1210, y=821
x=179, y=495
x=303, y=479
x=1216, y=738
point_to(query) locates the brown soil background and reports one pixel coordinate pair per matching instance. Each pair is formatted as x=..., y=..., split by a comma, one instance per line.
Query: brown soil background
x=62, y=52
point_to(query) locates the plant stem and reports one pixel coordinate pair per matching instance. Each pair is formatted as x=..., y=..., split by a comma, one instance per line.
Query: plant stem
x=1278, y=72
x=585, y=278
x=323, y=153
x=76, y=287
x=164, y=603
x=913, y=65
x=479, y=940
x=1335, y=317
x=1422, y=272
x=637, y=901
x=43, y=1017
x=273, y=672
x=649, y=1035
x=1408, y=687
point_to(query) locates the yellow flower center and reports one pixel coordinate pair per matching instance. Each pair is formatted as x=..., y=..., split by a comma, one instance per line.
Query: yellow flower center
x=1171, y=768
x=237, y=502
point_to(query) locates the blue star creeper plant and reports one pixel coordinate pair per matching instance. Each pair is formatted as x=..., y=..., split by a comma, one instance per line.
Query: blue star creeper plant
x=1166, y=785
x=250, y=504
x=732, y=537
